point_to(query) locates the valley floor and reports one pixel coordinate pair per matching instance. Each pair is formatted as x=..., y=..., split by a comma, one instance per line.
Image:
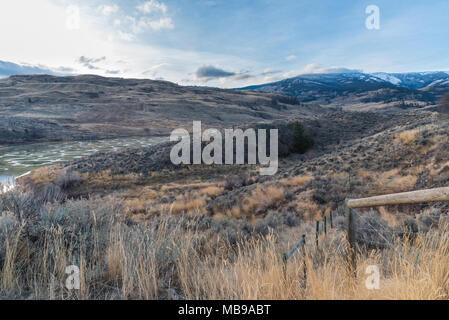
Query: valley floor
x=219, y=232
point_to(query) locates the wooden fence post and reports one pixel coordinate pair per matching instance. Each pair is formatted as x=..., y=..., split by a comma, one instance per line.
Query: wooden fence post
x=411, y=197
x=284, y=266
x=325, y=225
x=331, y=220
x=352, y=264
x=304, y=260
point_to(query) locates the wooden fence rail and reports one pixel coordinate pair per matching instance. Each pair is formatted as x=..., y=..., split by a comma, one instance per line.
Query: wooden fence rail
x=421, y=196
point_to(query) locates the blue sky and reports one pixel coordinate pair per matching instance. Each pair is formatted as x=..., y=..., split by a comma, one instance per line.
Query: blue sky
x=223, y=43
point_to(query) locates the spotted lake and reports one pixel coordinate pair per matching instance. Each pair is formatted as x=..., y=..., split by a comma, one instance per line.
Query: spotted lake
x=18, y=160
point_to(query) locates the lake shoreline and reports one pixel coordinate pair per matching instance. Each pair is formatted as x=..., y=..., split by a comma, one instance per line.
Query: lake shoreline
x=49, y=141
x=18, y=160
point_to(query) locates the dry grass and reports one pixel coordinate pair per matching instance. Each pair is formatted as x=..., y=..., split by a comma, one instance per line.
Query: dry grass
x=261, y=199
x=43, y=176
x=187, y=204
x=390, y=181
x=398, y=184
x=212, y=191
x=407, y=136
x=307, y=208
x=171, y=259
x=106, y=180
x=298, y=181
x=422, y=272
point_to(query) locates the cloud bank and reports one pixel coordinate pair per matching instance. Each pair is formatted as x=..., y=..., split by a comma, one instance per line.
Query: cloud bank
x=8, y=69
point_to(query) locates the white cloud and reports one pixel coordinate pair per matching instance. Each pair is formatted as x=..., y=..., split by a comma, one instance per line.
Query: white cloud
x=269, y=71
x=140, y=25
x=38, y=35
x=107, y=10
x=312, y=68
x=27, y=37
x=317, y=68
x=73, y=18
x=162, y=23
x=153, y=71
x=126, y=36
x=290, y=58
x=269, y=75
x=152, y=6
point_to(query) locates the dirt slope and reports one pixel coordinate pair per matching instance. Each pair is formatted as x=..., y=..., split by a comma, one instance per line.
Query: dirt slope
x=48, y=108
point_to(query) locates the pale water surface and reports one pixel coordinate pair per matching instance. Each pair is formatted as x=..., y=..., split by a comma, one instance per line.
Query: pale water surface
x=18, y=160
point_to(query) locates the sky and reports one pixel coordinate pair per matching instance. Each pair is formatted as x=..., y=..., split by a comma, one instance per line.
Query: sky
x=224, y=43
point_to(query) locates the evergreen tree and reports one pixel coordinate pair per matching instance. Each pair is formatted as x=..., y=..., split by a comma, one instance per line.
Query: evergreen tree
x=302, y=139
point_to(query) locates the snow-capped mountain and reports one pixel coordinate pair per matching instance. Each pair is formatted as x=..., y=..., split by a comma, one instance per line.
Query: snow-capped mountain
x=413, y=80
x=401, y=90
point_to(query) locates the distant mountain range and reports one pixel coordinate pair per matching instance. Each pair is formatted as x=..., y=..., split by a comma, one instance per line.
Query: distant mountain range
x=349, y=90
x=11, y=69
x=358, y=90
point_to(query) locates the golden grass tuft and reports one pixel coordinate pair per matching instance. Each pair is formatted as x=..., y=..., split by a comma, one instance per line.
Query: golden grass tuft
x=390, y=181
x=262, y=198
x=398, y=184
x=187, y=205
x=298, y=181
x=407, y=136
x=212, y=191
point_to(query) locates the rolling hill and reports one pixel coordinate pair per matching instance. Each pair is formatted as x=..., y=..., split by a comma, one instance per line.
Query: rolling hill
x=361, y=91
x=50, y=108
